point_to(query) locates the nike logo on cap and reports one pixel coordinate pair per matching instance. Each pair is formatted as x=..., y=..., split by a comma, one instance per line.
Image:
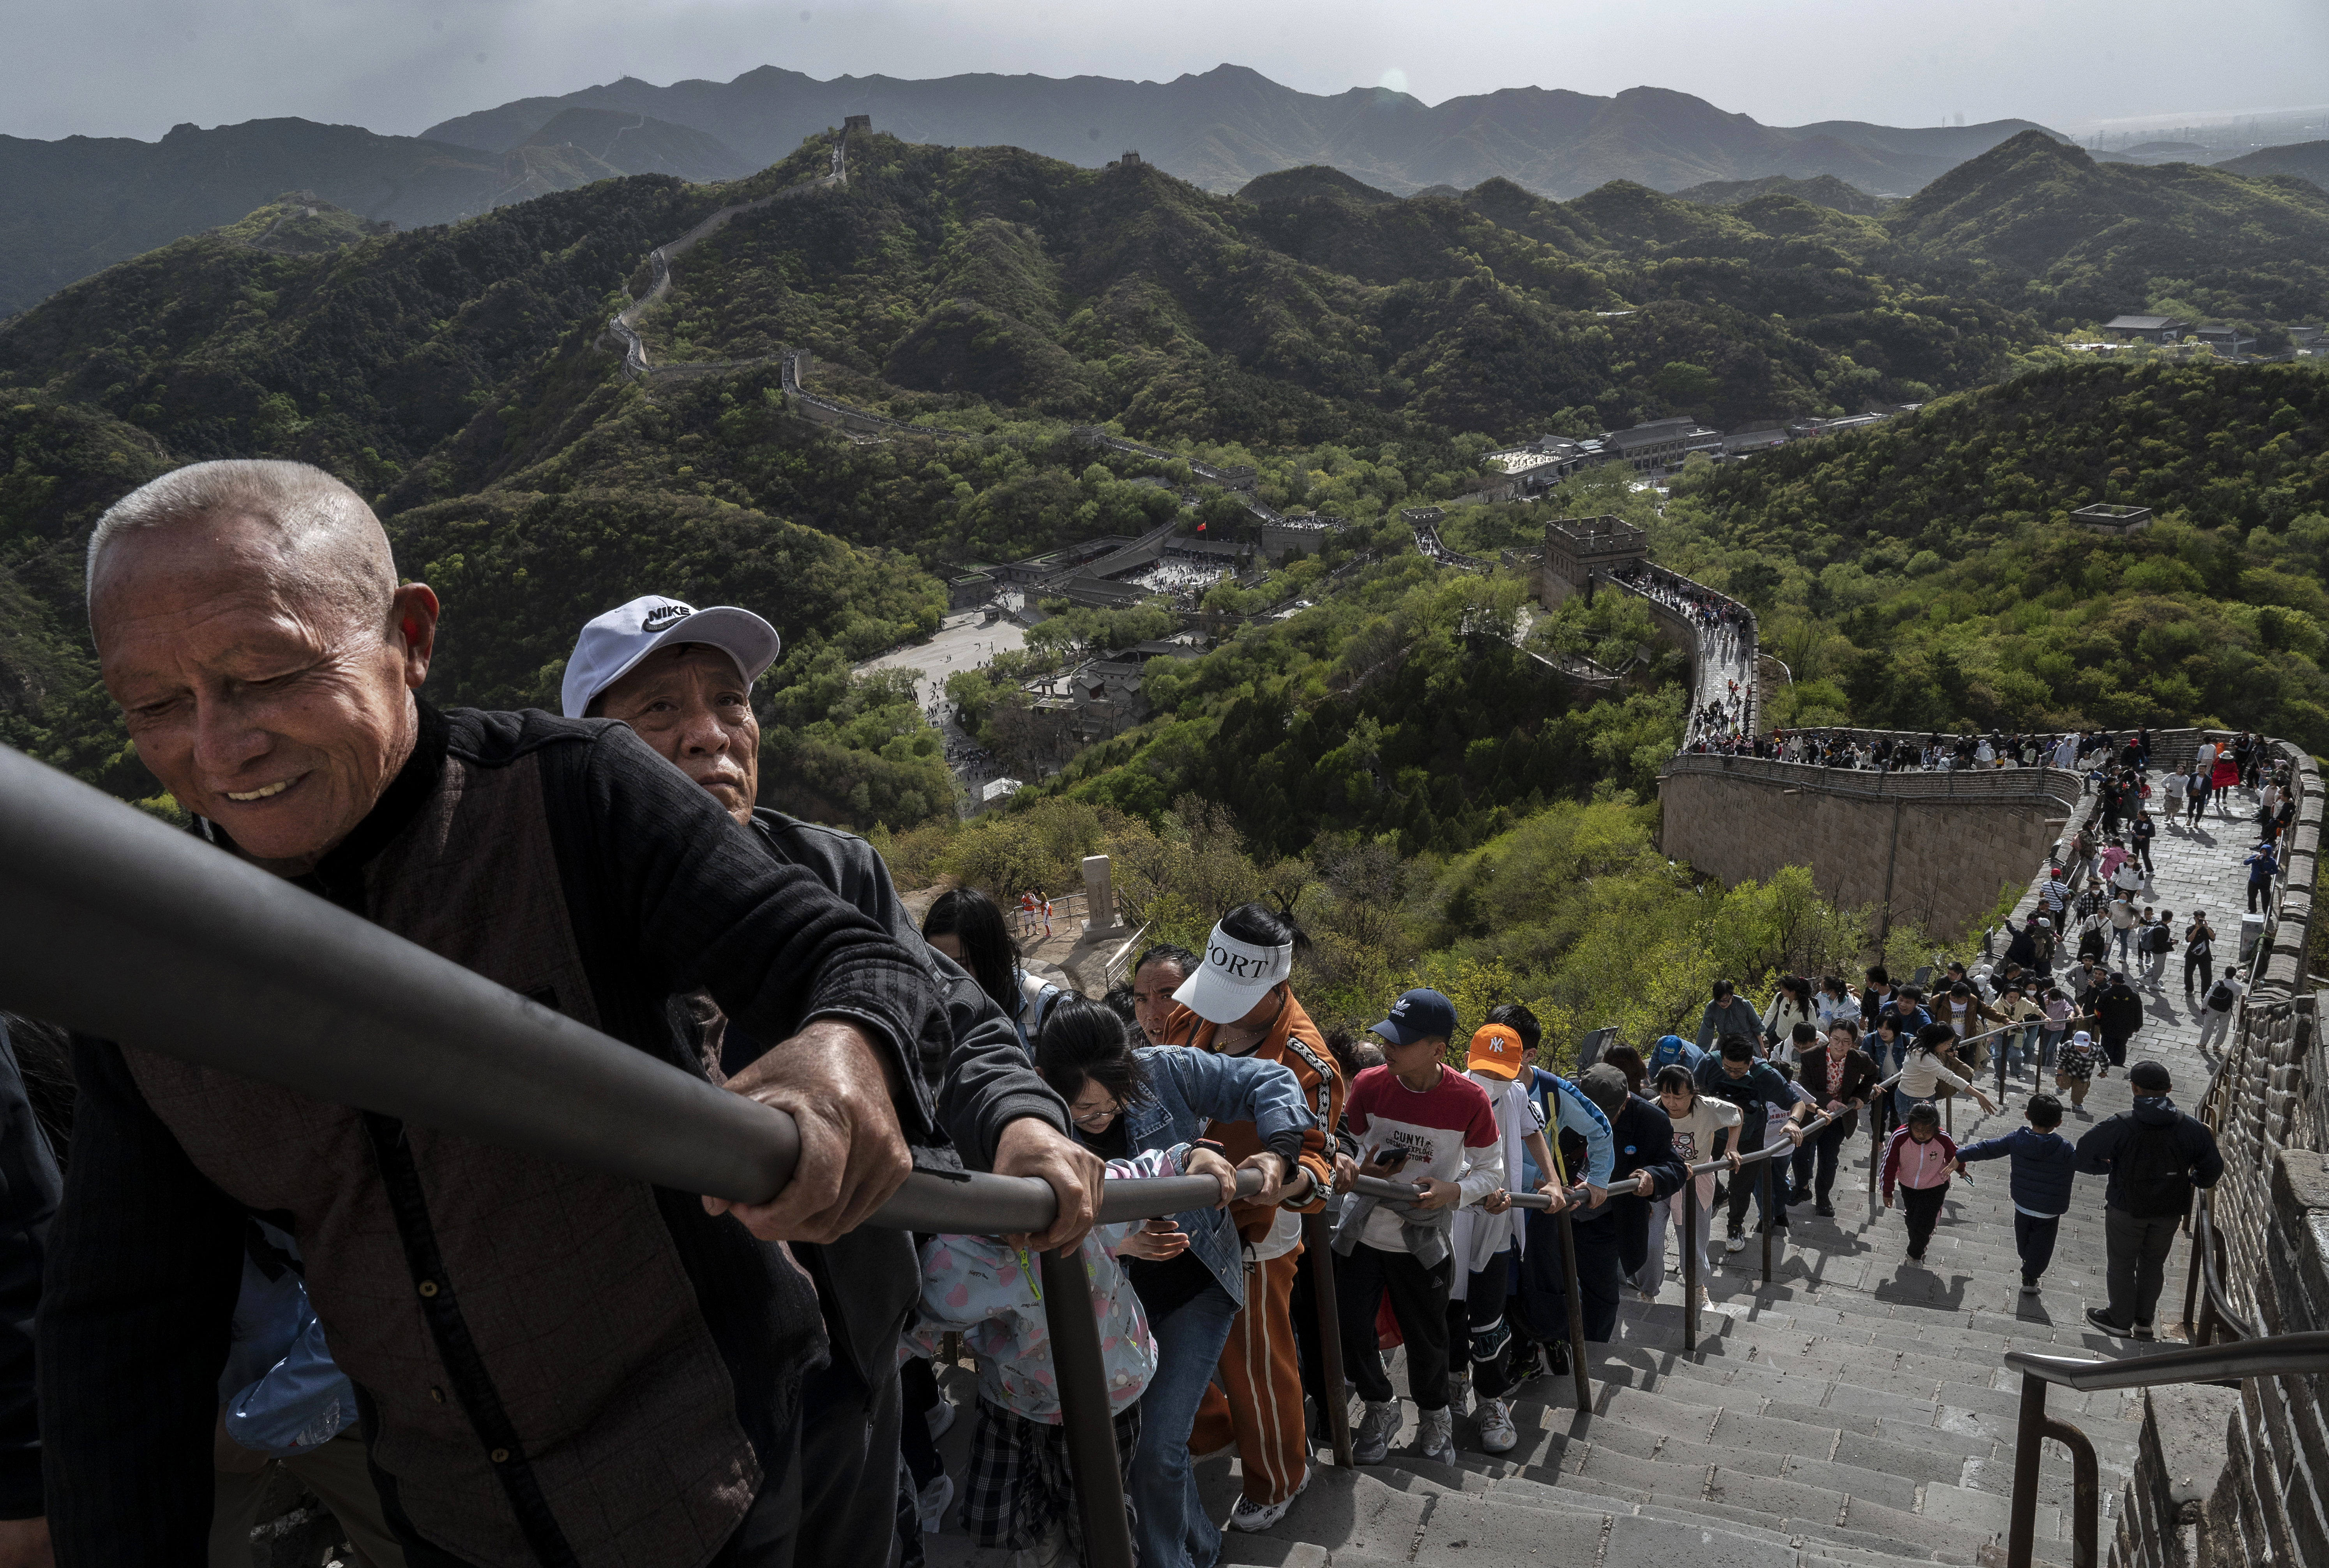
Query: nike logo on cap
x=663, y=615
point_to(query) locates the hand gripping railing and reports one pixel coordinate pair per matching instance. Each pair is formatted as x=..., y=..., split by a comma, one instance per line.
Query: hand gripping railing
x=2283, y=1354
x=1403, y=1192
x=118, y=926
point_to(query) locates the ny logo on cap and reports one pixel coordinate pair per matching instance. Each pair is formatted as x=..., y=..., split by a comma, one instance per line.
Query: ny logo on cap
x=663, y=615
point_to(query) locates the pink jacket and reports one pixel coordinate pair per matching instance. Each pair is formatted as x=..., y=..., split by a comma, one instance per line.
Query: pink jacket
x=1911, y=1163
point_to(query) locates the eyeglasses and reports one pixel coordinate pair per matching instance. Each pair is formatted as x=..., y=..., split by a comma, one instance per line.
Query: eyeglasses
x=1096, y=1121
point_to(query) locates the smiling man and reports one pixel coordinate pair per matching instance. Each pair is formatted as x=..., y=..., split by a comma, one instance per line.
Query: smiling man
x=681, y=678
x=553, y=1366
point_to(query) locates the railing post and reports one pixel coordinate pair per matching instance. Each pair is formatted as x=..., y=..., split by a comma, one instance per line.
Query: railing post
x=2086, y=1493
x=1084, y=1410
x=2022, y=1529
x=1576, y=1312
x=1770, y=1219
x=1335, y=1398
x=1689, y=1262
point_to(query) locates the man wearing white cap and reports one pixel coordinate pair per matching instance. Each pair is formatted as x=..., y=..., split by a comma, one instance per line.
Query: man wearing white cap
x=682, y=678
x=1239, y=1002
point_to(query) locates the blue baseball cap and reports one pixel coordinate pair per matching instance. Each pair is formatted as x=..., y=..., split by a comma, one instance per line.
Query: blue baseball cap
x=1421, y=1014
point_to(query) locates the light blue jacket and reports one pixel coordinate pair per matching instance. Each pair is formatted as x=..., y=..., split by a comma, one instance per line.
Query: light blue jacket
x=1565, y=1107
x=1189, y=1088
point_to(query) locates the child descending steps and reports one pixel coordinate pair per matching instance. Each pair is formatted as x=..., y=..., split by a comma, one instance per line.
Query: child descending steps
x=1420, y=1122
x=1919, y=1162
x=2074, y=1067
x=2039, y=1181
x=1021, y=1497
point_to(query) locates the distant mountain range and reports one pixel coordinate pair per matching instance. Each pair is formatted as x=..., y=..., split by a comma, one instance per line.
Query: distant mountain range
x=78, y=205
x=1222, y=129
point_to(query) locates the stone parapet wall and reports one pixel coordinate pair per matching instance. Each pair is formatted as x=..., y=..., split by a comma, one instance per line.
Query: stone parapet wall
x=1936, y=848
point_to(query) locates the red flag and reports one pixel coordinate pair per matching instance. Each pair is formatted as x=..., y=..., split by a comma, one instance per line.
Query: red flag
x=1200, y=527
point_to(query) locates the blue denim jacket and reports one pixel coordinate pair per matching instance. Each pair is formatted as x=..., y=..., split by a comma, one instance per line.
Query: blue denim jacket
x=1188, y=1088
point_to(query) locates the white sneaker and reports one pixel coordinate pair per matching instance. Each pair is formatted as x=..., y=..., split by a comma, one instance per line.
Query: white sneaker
x=941, y=1418
x=1250, y=1514
x=1435, y=1436
x=1377, y=1429
x=1496, y=1421
x=930, y=1503
x=1735, y=1242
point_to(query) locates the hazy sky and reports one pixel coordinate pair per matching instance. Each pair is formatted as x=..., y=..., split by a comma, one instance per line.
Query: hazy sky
x=137, y=67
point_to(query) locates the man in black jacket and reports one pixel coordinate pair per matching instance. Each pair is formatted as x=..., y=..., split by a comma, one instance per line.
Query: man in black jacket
x=1614, y=1239
x=2118, y=1011
x=2155, y=1156
x=553, y=1364
x=681, y=678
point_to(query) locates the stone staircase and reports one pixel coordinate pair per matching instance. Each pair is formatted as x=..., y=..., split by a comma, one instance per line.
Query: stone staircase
x=1854, y=1411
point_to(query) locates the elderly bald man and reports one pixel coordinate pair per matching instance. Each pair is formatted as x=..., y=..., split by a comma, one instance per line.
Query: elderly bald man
x=553, y=1366
x=682, y=678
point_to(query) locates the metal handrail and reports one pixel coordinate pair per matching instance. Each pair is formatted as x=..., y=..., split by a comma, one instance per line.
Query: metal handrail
x=2283, y=1354
x=2207, y=1304
x=1762, y=1156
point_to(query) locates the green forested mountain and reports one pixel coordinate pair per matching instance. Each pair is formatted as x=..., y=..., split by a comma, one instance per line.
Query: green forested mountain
x=2085, y=241
x=1926, y=573
x=2306, y=160
x=952, y=278
x=1820, y=191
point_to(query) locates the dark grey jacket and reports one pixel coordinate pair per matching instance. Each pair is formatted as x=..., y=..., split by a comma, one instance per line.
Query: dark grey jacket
x=553, y=1366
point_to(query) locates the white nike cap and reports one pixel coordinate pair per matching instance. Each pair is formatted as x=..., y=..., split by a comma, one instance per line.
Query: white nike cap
x=612, y=645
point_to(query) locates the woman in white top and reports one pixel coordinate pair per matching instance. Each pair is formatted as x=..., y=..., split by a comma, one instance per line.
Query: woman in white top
x=1791, y=1004
x=1696, y=1119
x=1925, y=1071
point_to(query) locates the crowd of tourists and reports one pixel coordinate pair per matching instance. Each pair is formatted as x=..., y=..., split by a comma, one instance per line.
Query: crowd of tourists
x=476, y=1356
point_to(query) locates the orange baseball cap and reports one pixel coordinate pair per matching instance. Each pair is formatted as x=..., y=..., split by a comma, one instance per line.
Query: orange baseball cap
x=1496, y=1051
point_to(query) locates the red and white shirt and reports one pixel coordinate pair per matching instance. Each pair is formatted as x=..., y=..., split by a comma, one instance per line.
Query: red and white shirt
x=1448, y=1132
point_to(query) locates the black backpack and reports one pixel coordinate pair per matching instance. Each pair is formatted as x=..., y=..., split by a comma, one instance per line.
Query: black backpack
x=2220, y=997
x=2155, y=1173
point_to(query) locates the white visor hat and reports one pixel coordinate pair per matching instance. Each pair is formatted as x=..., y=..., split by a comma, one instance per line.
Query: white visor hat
x=612, y=645
x=1233, y=978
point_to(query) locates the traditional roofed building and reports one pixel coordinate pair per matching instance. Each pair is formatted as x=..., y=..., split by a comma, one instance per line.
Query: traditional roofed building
x=2146, y=328
x=1661, y=443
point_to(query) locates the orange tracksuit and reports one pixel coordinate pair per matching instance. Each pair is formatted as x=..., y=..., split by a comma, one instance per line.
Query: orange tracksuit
x=1259, y=1366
